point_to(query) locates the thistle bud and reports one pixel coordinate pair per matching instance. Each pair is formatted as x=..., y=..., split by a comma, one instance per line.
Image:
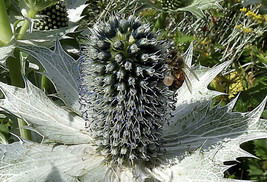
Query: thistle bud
x=171, y=4
x=54, y=17
x=116, y=73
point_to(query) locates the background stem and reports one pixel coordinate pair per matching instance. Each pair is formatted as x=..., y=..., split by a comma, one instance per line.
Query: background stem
x=13, y=63
x=14, y=66
x=5, y=28
x=45, y=83
x=25, y=24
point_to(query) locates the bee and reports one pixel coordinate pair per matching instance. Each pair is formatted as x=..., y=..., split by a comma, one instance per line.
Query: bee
x=176, y=75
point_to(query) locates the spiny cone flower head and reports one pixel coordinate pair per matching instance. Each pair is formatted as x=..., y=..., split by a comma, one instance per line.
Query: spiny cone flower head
x=55, y=17
x=170, y=4
x=121, y=83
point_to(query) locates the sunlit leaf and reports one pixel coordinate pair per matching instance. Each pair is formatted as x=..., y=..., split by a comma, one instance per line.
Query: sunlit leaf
x=210, y=137
x=54, y=123
x=75, y=9
x=197, y=7
x=45, y=38
x=34, y=162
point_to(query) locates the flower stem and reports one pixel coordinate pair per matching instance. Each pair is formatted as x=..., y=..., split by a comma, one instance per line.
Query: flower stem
x=14, y=67
x=45, y=83
x=26, y=134
x=13, y=63
x=5, y=28
x=25, y=24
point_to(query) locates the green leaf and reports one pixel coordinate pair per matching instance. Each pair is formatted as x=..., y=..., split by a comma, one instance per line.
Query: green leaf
x=253, y=96
x=255, y=170
x=179, y=38
x=37, y=5
x=263, y=3
x=61, y=68
x=261, y=149
x=4, y=132
x=45, y=38
x=150, y=4
x=48, y=119
x=3, y=138
x=264, y=114
x=35, y=162
x=4, y=129
x=249, y=2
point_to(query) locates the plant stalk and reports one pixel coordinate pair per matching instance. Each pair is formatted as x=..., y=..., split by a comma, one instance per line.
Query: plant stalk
x=45, y=83
x=5, y=28
x=14, y=67
x=25, y=24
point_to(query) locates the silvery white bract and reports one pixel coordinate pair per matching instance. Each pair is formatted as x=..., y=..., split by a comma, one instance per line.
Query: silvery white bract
x=196, y=7
x=197, y=140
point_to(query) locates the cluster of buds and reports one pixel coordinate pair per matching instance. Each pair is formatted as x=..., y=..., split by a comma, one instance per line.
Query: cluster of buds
x=54, y=17
x=170, y=4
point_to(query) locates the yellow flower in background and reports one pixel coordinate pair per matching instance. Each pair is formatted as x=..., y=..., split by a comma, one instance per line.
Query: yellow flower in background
x=243, y=10
x=236, y=86
x=238, y=26
x=260, y=18
x=250, y=14
x=247, y=30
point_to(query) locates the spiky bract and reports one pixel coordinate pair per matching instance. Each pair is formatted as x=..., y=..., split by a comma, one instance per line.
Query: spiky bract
x=121, y=77
x=55, y=17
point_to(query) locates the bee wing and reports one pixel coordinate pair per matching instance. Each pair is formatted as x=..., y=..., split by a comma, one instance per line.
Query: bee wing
x=191, y=71
x=187, y=80
x=188, y=83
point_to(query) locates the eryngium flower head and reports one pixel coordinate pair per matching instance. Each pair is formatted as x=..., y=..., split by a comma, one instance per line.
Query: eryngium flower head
x=55, y=17
x=170, y=4
x=121, y=83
